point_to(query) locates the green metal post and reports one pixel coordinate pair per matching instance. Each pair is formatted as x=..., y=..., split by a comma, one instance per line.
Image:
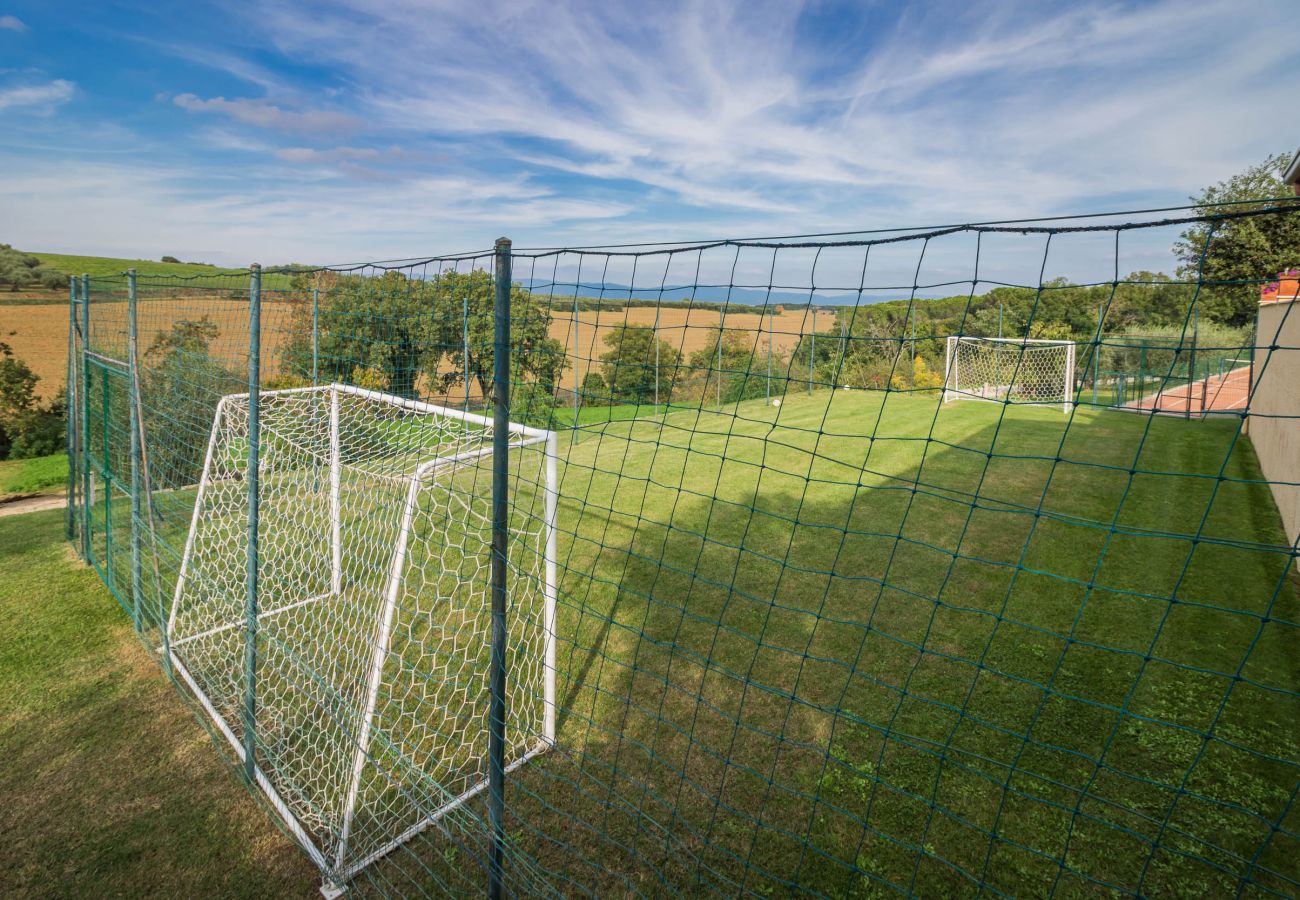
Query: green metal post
x=70, y=429
x=656, y=340
x=465, y=346
x=1191, y=367
x=85, y=419
x=132, y=331
x=912, y=310
x=999, y=320
x=577, y=358
x=769, y=357
x=315, y=337
x=253, y=479
x=722, y=325
x=107, y=477
x=500, y=512
x=812, y=349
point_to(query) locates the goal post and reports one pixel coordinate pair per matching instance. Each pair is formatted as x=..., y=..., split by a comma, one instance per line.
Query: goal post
x=1027, y=371
x=372, y=638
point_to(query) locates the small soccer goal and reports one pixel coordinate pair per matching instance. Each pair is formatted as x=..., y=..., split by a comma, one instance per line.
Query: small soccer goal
x=370, y=700
x=1010, y=370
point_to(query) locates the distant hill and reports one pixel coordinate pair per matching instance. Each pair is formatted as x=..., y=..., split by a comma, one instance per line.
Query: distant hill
x=100, y=266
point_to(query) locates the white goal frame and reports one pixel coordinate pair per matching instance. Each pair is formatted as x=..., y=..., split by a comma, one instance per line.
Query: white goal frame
x=335, y=866
x=1002, y=393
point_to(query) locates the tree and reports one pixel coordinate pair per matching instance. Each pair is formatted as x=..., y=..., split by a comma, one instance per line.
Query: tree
x=19, y=271
x=1247, y=251
x=28, y=427
x=638, y=365
x=398, y=330
x=181, y=381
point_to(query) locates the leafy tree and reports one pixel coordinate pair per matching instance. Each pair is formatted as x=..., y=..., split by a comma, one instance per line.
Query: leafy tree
x=396, y=330
x=595, y=392
x=28, y=427
x=1248, y=251
x=170, y=259
x=20, y=271
x=743, y=369
x=637, y=363
x=182, y=382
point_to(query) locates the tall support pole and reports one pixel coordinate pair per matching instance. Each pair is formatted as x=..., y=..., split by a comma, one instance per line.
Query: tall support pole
x=812, y=349
x=336, y=506
x=722, y=325
x=769, y=357
x=253, y=477
x=577, y=359
x=464, y=303
x=315, y=337
x=85, y=419
x=656, y=340
x=500, y=511
x=1191, y=366
x=132, y=338
x=70, y=430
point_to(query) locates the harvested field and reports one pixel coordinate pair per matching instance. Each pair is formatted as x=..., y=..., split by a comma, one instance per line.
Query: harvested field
x=38, y=333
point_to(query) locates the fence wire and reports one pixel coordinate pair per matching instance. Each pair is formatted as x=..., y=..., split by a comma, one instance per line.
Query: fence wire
x=818, y=627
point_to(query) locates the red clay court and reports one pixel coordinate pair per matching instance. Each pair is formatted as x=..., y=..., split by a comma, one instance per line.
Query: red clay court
x=1215, y=393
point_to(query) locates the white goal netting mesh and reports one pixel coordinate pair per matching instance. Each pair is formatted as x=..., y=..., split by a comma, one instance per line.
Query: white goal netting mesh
x=373, y=629
x=1035, y=372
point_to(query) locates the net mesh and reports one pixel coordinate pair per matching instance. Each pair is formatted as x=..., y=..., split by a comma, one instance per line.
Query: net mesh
x=816, y=630
x=1009, y=371
x=373, y=626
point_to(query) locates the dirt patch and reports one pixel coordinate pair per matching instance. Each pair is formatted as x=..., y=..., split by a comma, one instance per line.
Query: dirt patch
x=31, y=503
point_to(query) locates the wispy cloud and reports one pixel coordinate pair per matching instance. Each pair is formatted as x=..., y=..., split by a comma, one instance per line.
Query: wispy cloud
x=575, y=122
x=39, y=95
x=12, y=23
x=264, y=114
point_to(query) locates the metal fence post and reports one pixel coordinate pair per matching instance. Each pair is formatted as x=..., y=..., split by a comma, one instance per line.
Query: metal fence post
x=132, y=332
x=253, y=477
x=464, y=325
x=500, y=510
x=71, y=420
x=315, y=337
x=85, y=419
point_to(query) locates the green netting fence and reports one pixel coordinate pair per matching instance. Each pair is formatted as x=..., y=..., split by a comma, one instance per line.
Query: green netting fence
x=691, y=568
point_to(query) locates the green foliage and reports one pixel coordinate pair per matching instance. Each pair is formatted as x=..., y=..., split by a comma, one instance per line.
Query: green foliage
x=28, y=427
x=180, y=369
x=39, y=474
x=397, y=331
x=743, y=369
x=638, y=364
x=595, y=392
x=22, y=271
x=1246, y=251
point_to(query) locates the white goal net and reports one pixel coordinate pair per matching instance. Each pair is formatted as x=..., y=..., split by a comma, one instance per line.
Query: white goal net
x=1007, y=370
x=373, y=623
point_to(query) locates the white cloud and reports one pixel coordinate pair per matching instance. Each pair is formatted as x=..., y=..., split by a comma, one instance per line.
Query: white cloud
x=333, y=154
x=267, y=115
x=12, y=23
x=42, y=95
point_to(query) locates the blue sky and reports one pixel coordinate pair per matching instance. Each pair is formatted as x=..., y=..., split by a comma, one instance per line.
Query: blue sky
x=358, y=129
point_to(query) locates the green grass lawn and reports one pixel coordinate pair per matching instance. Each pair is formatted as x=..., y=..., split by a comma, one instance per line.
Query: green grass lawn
x=868, y=644
x=42, y=475
x=100, y=266
x=110, y=788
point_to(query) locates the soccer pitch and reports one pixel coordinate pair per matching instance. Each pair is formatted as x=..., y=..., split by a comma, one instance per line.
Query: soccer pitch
x=840, y=644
